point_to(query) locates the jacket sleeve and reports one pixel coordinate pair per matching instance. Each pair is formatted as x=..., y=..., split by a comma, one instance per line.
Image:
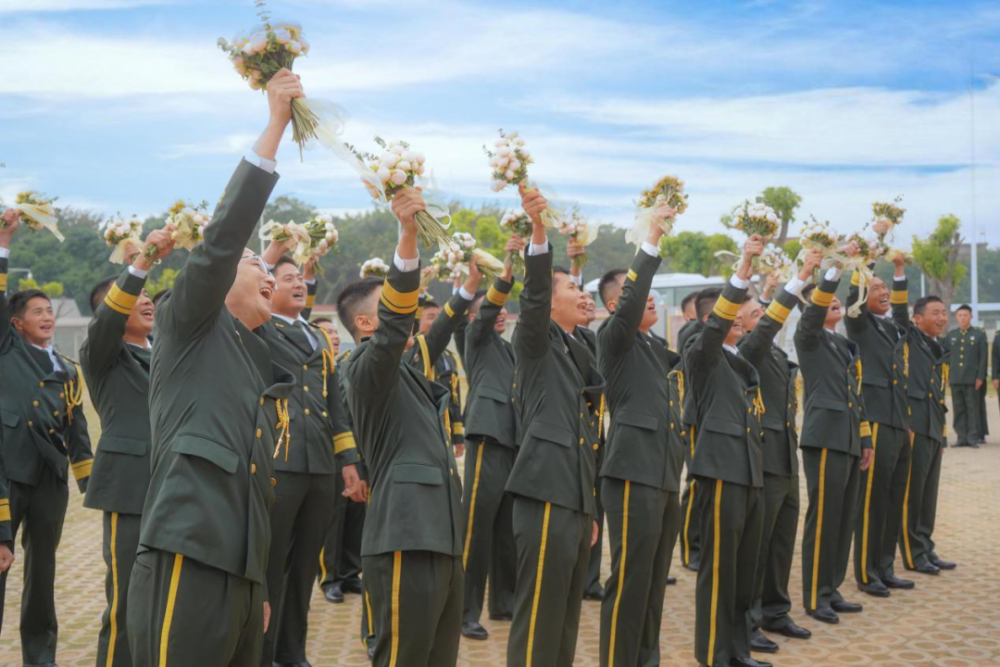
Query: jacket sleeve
x=482, y=325
x=866, y=427
x=461, y=332
x=617, y=336
x=704, y=353
x=6, y=534
x=899, y=300
x=531, y=338
x=311, y=288
x=76, y=436
x=856, y=325
x=5, y=327
x=444, y=326
x=982, y=366
x=810, y=328
x=373, y=369
x=106, y=329
x=756, y=345
x=344, y=446
x=199, y=293
x=996, y=356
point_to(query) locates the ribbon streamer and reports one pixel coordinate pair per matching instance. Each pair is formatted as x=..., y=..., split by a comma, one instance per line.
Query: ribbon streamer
x=43, y=216
x=645, y=218
x=120, y=253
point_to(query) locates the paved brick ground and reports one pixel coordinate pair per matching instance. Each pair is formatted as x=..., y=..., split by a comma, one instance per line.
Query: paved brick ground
x=949, y=621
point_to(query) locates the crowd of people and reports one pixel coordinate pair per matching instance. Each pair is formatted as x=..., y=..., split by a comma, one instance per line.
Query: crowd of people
x=244, y=460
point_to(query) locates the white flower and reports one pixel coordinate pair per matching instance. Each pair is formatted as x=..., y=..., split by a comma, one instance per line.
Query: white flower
x=295, y=47
x=524, y=153
x=398, y=176
x=323, y=245
x=515, y=164
x=397, y=149
x=404, y=165
x=500, y=143
x=384, y=173
x=419, y=157
x=509, y=174
x=282, y=35
x=410, y=156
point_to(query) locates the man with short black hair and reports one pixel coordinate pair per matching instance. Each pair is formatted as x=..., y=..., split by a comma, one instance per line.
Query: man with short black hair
x=688, y=309
x=43, y=426
x=968, y=349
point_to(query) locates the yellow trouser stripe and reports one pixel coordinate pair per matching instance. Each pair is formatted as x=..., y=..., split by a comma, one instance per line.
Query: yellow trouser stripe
x=906, y=509
x=368, y=610
x=114, y=589
x=397, y=568
x=868, y=502
x=621, y=578
x=687, y=524
x=168, y=616
x=715, y=569
x=538, y=583
x=819, y=526
x=472, y=504
x=322, y=565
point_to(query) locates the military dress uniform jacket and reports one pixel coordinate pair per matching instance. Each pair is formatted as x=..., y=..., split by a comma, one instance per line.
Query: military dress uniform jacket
x=884, y=351
x=968, y=352
x=835, y=416
x=638, y=391
x=6, y=534
x=117, y=375
x=41, y=408
x=598, y=406
x=320, y=433
x=556, y=379
x=777, y=387
x=215, y=400
x=690, y=329
x=926, y=386
x=415, y=502
x=722, y=402
x=490, y=411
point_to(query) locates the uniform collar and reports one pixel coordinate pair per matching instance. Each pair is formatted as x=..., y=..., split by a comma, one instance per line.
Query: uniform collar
x=289, y=320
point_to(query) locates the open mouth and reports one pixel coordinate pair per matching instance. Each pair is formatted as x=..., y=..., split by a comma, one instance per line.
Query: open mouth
x=266, y=292
x=298, y=294
x=147, y=312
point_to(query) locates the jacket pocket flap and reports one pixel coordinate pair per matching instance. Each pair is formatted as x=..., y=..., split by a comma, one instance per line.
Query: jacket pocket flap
x=495, y=394
x=636, y=419
x=725, y=427
x=552, y=433
x=123, y=446
x=875, y=380
x=914, y=393
x=415, y=473
x=11, y=419
x=211, y=451
x=829, y=404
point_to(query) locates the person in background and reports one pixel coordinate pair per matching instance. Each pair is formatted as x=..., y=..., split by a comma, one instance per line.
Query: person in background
x=688, y=308
x=968, y=350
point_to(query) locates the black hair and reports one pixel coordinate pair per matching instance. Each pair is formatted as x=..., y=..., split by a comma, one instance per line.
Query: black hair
x=99, y=291
x=806, y=291
x=321, y=320
x=706, y=301
x=608, y=279
x=160, y=295
x=430, y=303
x=688, y=299
x=921, y=305
x=19, y=301
x=352, y=297
x=284, y=259
x=964, y=306
x=561, y=269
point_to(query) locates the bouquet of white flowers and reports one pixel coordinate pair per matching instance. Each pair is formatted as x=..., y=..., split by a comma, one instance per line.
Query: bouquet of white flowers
x=659, y=205
x=292, y=235
x=259, y=54
x=757, y=218
x=455, y=256
x=428, y=274
x=323, y=234
x=774, y=259
x=189, y=221
x=374, y=268
x=37, y=212
x=120, y=234
x=579, y=232
x=396, y=168
x=893, y=253
x=518, y=224
x=888, y=214
x=871, y=245
x=509, y=161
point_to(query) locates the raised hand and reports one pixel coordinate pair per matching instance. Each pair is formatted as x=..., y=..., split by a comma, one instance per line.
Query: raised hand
x=281, y=90
x=159, y=244
x=533, y=203
x=11, y=219
x=811, y=262
x=406, y=204
x=851, y=249
x=751, y=249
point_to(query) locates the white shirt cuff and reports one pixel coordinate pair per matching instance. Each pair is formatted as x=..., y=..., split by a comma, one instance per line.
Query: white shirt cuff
x=577, y=279
x=794, y=286
x=405, y=265
x=538, y=249
x=138, y=273
x=4, y=252
x=833, y=273
x=309, y=282
x=464, y=293
x=267, y=165
x=898, y=278
x=738, y=282
x=650, y=249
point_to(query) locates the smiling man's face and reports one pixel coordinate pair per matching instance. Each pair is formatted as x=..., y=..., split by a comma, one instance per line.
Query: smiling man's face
x=249, y=298
x=38, y=324
x=140, y=320
x=878, y=297
x=289, y=291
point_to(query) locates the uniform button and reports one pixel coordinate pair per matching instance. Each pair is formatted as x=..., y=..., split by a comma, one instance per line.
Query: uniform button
x=581, y=415
x=305, y=388
x=596, y=446
x=930, y=395
x=253, y=468
x=788, y=423
x=325, y=414
x=894, y=367
x=305, y=367
x=671, y=404
x=581, y=441
x=451, y=471
x=513, y=384
x=671, y=425
x=52, y=431
x=895, y=381
x=31, y=423
x=748, y=411
x=35, y=403
x=748, y=429
x=62, y=395
x=274, y=482
x=306, y=411
x=850, y=405
x=259, y=432
x=262, y=400
x=41, y=384
x=511, y=399
x=55, y=413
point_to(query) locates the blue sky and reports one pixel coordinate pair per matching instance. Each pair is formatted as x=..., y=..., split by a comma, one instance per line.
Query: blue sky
x=126, y=105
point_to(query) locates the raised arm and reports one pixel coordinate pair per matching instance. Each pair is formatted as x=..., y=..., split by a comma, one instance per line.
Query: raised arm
x=899, y=297
x=76, y=436
x=485, y=320
x=9, y=224
x=451, y=316
x=531, y=338
x=856, y=325
x=617, y=336
x=809, y=331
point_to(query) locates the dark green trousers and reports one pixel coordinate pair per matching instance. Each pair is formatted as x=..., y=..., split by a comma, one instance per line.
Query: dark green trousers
x=984, y=424
x=690, y=542
x=553, y=554
x=42, y=509
x=772, y=603
x=643, y=523
x=121, y=540
x=880, y=519
x=340, y=557
x=965, y=402
x=731, y=517
x=593, y=584
x=299, y=518
x=489, y=532
x=182, y=612
x=833, y=481
x=916, y=541
x=416, y=600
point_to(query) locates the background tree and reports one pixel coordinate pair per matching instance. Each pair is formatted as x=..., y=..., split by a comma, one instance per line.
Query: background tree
x=937, y=257
x=784, y=201
x=696, y=252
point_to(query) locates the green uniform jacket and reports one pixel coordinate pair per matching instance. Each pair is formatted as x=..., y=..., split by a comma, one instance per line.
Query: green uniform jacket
x=41, y=408
x=638, y=391
x=557, y=379
x=215, y=399
x=117, y=377
x=670, y=363
x=777, y=387
x=595, y=425
x=691, y=328
x=490, y=411
x=996, y=356
x=399, y=420
x=320, y=433
x=926, y=386
x=968, y=351
x=883, y=345
x=725, y=409
x=835, y=416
